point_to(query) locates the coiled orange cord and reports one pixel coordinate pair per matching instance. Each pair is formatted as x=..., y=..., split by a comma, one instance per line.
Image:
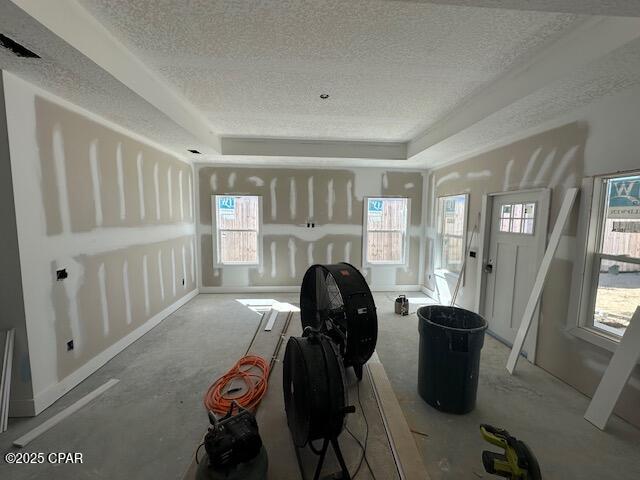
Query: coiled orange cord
x=219, y=399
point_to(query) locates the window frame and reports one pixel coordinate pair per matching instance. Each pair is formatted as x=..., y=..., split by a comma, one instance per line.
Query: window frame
x=438, y=269
x=584, y=327
x=217, y=262
x=365, y=232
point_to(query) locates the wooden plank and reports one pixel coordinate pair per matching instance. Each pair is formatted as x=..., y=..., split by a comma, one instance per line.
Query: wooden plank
x=4, y=336
x=403, y=445
x=272, y=319
x=7, y=382
x=616, y=375
x=71, y=409
x=274, y=431
x=534, y=298
x=5, y=389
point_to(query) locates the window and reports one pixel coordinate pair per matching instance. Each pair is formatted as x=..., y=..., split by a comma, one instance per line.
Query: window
x=237, y=225
x=615, y=273
x=452, y=219
x=518, y=218
x=386, y=230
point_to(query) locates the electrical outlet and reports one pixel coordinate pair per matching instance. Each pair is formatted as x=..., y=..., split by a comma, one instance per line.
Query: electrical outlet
x=61, y=274
x=69, y=345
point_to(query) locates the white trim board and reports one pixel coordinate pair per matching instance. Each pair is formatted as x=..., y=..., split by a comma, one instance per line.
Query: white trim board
x=48, y=396
x=8, y=339
x=57, y=418
x=616, y=375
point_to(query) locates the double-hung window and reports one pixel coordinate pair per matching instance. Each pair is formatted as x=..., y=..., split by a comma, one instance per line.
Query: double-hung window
x=615, y=262
x=386, y=221
x=237, y=226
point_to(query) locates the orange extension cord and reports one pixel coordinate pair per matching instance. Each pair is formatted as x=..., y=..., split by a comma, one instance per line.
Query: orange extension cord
x=218, y=398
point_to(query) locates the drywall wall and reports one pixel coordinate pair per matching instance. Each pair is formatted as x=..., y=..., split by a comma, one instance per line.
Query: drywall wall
x=333, y=199
x=115, y=212
x=599, y=139
x=10, y=285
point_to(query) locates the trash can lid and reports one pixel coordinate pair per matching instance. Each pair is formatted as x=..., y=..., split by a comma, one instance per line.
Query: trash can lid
x=452, y=318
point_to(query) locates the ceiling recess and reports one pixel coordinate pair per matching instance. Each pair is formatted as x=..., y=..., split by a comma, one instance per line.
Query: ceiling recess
x=17, y=49
x=194, y=151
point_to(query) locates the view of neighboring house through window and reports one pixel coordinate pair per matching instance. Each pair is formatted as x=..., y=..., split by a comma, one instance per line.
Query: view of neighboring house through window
x=386, y=230
x=237, y=225
x=617, y=259
x=452, y=214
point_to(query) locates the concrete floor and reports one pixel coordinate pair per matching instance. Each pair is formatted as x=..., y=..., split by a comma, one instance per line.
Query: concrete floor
x=149, y=424
x=533, y=405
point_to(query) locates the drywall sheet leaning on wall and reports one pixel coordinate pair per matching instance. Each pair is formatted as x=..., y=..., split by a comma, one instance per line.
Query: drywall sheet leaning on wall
x=332, y=199
x=105, y=225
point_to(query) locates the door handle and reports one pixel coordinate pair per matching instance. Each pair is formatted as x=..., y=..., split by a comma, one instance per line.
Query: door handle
x=488, y=268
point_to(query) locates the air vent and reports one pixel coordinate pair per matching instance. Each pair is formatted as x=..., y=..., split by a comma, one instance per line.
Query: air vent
x=194, y=151
x=17, y=49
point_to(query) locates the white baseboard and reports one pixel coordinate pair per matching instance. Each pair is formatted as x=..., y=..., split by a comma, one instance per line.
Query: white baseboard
x=48, y=396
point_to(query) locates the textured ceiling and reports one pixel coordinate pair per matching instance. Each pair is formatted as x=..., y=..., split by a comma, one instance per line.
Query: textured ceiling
x=65, y=72
x=256, y=68
x=612, y=74
x=626, y=8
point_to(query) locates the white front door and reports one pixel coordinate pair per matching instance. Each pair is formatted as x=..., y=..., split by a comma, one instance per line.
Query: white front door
x=517, y=239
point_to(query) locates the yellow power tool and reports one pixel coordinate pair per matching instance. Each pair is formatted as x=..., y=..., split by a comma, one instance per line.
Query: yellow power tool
x=517, y=462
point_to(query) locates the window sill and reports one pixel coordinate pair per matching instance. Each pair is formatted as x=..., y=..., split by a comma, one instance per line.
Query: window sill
x=594, y=336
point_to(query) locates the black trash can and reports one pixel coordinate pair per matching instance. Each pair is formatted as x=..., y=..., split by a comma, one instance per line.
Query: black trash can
x=451, y=339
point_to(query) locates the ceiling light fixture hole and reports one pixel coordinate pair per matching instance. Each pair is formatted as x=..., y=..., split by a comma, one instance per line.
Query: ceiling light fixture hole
x=324, y=96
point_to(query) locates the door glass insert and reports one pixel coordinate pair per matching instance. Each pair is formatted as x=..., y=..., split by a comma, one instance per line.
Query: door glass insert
x=517, y=218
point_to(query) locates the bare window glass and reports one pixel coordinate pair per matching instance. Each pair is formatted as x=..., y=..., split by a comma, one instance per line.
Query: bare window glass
x=237, y=225
x=517, y=218
x=617, y=261
x=386, y=221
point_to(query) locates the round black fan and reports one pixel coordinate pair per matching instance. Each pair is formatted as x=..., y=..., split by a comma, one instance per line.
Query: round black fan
x=336, y=300
x=314, y=388
x=315, y=395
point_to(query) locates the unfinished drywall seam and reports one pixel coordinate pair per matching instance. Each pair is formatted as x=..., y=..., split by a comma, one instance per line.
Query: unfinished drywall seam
x=292, y=198
x=95, y=178
x=123, y=207
x=139, y=167
x=127, y=294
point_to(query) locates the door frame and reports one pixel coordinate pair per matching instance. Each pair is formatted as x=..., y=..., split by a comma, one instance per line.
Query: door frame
x=542, y=222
